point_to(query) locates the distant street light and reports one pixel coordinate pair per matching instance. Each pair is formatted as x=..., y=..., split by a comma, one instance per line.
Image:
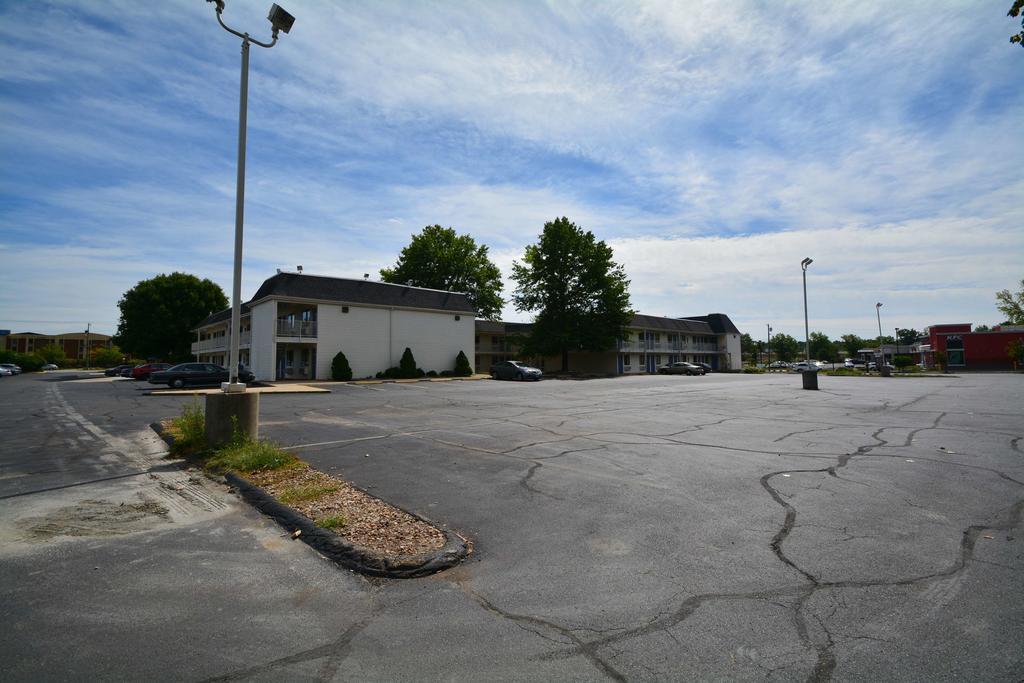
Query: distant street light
x=881, y=356
x=279, y=21
x=807, y=329
x=769, y=363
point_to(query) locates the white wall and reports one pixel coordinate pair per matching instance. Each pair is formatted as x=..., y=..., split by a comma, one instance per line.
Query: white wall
x=262, y=348
x=361, y=333
x=732, y=347
x=373, y=339
x=435, y=338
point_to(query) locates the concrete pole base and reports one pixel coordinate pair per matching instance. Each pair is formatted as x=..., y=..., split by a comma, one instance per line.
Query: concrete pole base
x=227, y=412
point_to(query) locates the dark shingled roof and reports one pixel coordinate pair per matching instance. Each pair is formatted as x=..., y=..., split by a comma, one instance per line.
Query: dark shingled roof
x=719, y=322
x=220, y=315
x=655, y=322
x=352, y=291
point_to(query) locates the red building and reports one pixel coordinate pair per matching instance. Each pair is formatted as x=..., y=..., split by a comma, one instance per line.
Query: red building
x=967, y=350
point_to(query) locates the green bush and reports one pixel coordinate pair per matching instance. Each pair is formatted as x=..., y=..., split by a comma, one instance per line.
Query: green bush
x=28, y=362
x=106, y=358
x=341, y=371
x=53, y=354
x=462, y=366
x=902, y=362
x=749, y=370
x=431, y=373
x=407, y=366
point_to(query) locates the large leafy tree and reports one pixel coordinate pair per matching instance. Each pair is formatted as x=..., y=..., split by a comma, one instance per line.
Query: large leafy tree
x=1011, y=305
x=907, y=336
x=785, y=347
x=439, y=258
x=157, y=315
x=822, y=347
x=579, y=294
x=851, y=344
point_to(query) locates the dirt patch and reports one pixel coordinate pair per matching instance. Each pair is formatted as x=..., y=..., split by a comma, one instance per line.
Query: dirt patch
x=95, y=518
x=368, y=521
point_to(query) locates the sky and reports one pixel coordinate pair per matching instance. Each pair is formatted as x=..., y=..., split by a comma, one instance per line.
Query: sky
x=712, y=145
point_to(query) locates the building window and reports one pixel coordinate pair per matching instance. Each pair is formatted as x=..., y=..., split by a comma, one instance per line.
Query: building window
x=625, y=360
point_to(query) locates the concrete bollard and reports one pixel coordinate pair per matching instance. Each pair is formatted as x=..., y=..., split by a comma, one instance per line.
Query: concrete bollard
x=226, y=411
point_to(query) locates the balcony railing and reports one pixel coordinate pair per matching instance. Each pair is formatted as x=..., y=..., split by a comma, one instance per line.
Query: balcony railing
x=296, y=328
x=218, y=343
x=666, y=347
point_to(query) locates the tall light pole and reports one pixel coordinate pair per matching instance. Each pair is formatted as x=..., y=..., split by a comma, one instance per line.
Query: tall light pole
x=881, y=356
x=280, y=21
x=769, y=363
x=807, y=329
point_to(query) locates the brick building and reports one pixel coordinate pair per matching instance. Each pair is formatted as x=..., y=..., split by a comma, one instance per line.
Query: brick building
x=73, y=343
x=967, y=350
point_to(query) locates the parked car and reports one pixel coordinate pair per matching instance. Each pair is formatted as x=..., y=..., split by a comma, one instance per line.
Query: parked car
x=853, y=363
x=805, y=365
x=707, y=367
x=48, y=367
x=874, y=366
x=142, y=372
x=680, y=368
x=513, y=369
x=194, y=374
x=11, y=368
x=127, y=372
x=4, y=372
x=778, y=365
x=117, y=371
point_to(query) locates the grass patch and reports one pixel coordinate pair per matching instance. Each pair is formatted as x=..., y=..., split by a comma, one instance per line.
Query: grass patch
x=250, y=456
x=332, y=522
x=189, y=430
x=298, y=494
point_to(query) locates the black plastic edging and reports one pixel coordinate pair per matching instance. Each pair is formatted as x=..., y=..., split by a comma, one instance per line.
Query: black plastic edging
x=337, y=549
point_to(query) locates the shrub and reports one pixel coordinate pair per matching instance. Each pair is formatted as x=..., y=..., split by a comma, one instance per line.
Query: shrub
x=106, y=357
x=462, y=366
x=902, y=361
x=753, y=371
x=447, y=373
x=341, y=371
x=431, y=373
x=332, y=522
x=407, y=366
x=28, y=362
x=52, y=354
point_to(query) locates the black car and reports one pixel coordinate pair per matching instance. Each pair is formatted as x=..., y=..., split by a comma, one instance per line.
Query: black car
x=513, y=369
x=118, y=371
x=706, y=366
x=196, y=374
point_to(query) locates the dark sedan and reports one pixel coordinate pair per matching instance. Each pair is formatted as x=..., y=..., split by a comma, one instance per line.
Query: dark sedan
x=195, y=374
x=513, y=369
x=117, y=371
x=681, y=368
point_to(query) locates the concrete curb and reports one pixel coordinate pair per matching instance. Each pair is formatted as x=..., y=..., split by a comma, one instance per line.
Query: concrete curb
x=338, y=550
x=335, y=547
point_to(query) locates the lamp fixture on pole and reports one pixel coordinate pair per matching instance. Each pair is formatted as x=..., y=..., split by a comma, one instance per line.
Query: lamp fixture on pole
x=279, y=21
x=807, y=329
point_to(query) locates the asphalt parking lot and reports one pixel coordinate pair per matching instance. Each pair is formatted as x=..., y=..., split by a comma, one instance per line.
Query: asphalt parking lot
x=647, y=528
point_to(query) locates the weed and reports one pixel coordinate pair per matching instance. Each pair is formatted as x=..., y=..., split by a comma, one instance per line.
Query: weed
x=298, y=494
x=246, y=455
x=189, y=430
x=332, y=522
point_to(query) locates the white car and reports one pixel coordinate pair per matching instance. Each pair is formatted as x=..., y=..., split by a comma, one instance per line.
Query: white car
x=4, y=372
x=48, y=366
x=11, y=368
x=806, y=365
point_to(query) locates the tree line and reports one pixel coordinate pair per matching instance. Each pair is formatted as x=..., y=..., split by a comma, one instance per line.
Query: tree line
x=568, y=280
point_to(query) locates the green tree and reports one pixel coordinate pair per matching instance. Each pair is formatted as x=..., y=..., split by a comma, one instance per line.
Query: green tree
x=52, y=353
x=785, y=347
x=341, y=371
x=1015, y=11
x=907, y=336
x=982, y=328
x=851, y=344
x=1011, y=305
x=462, y=366
x=901, y=362
x=822, y=347
x=106, y=357
x=407, y=366
x=1015, y=350
x=580, y=295
x=158, y=315
x=438, y=258
x=747, y=345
